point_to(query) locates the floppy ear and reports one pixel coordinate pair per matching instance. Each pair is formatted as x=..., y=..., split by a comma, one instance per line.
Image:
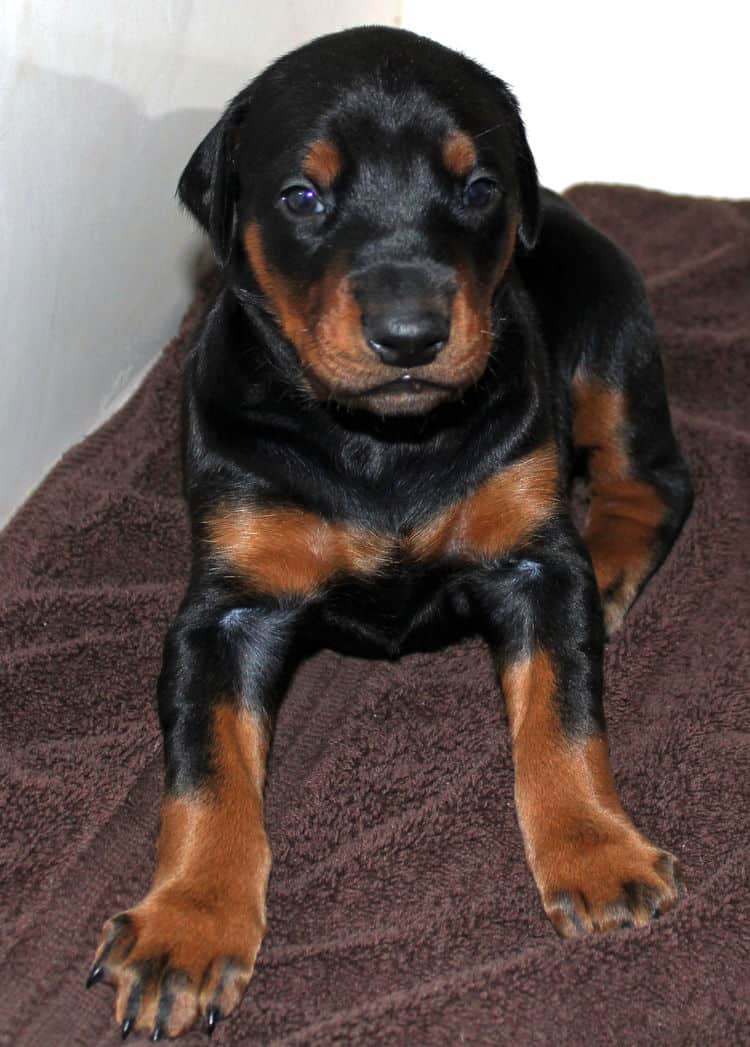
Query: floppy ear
x=528, y=230
x=208, y=185
x=528, y=183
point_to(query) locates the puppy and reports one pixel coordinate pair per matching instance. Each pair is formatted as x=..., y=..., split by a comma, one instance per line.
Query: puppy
x=413, y=351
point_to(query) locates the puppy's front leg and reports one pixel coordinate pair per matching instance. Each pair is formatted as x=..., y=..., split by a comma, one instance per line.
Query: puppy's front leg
x=593, y=868
x=187, y=950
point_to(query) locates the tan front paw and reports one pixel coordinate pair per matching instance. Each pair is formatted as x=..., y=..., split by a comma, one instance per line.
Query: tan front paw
x=177, y=958
x=597, y=880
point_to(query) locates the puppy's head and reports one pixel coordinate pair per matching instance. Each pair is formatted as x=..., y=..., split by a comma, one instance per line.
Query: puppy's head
x=369, y=190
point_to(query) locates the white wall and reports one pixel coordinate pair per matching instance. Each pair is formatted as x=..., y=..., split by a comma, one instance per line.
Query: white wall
x=645, y=92
x=101, y=104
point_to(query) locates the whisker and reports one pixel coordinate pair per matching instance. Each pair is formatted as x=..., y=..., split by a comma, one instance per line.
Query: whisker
x=487, y=130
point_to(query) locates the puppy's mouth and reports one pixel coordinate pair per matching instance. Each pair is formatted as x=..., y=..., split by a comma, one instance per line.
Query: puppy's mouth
x=408, y=394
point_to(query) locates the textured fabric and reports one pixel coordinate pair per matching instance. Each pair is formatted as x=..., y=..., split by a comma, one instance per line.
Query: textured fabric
x=401, y=910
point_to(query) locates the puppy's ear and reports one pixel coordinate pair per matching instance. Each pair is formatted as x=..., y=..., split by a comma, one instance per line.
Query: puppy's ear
x=208, y=185
x=531, y=209
x=528, y=183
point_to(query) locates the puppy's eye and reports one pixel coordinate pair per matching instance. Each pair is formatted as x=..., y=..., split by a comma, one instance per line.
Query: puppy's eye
x=480, y=192
x=302, y=201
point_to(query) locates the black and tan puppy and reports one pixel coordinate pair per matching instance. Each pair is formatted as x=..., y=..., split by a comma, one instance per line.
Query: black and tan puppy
x=413, y=351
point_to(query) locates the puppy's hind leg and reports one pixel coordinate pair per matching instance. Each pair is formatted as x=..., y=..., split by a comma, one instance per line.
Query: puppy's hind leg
x=640, y=486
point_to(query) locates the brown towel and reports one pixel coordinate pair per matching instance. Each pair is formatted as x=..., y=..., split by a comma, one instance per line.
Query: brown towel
x=401, y=910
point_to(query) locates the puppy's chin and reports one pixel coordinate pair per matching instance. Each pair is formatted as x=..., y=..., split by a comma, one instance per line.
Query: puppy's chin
x=407, y=396
x=414, y=398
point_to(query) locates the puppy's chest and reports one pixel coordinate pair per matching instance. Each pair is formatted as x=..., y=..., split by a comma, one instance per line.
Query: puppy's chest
x=288, y=551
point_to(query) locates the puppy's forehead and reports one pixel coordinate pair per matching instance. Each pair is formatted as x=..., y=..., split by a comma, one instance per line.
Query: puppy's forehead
x=418, y=96
x=371, y=123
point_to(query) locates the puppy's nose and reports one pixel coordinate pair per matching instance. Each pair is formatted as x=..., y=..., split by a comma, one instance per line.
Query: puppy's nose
x=406, y=338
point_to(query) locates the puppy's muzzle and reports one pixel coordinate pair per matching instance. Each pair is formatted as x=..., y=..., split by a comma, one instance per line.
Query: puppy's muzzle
x=406, y=312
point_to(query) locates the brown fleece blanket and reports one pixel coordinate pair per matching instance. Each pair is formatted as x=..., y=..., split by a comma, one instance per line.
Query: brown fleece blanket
x=401, y=910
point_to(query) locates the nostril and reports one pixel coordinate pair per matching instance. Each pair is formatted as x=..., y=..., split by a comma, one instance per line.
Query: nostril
x=407, y=341
x=406, y=355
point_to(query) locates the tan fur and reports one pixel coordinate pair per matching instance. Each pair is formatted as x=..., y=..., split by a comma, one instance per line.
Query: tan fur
x=323, y=163
x=579, y=842
x=625, y=512
x=206, y=908
x=288, y=551
x=459, y=154
x=324, y=322
x=499, y=516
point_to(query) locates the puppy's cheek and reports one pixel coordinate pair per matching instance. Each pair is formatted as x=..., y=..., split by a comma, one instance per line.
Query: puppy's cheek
x=338, y=354
x=287, y=301
x=322, y=321
x=470, y=343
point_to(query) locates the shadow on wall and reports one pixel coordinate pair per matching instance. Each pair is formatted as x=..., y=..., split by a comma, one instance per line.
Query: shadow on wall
x=100, y=258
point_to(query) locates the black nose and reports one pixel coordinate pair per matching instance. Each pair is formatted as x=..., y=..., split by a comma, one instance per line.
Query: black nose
x=406, y=339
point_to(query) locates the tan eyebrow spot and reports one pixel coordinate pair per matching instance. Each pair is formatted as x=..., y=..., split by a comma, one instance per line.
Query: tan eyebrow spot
x=323, y=163
x=459, y=154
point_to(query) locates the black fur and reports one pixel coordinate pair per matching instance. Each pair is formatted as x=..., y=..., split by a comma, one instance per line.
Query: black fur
x=255, y=434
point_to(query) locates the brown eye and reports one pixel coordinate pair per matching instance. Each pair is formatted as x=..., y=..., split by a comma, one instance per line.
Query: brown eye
x=480, y=192
x=303, y=201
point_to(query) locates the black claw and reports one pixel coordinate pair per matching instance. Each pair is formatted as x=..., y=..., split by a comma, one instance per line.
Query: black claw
x=156, y=1034
x=126, y=1028
x=97, y=973
x=212, y=1018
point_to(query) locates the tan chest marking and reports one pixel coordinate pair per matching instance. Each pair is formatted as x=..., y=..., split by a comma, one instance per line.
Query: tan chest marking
x=289, y=551
x=502, y=514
